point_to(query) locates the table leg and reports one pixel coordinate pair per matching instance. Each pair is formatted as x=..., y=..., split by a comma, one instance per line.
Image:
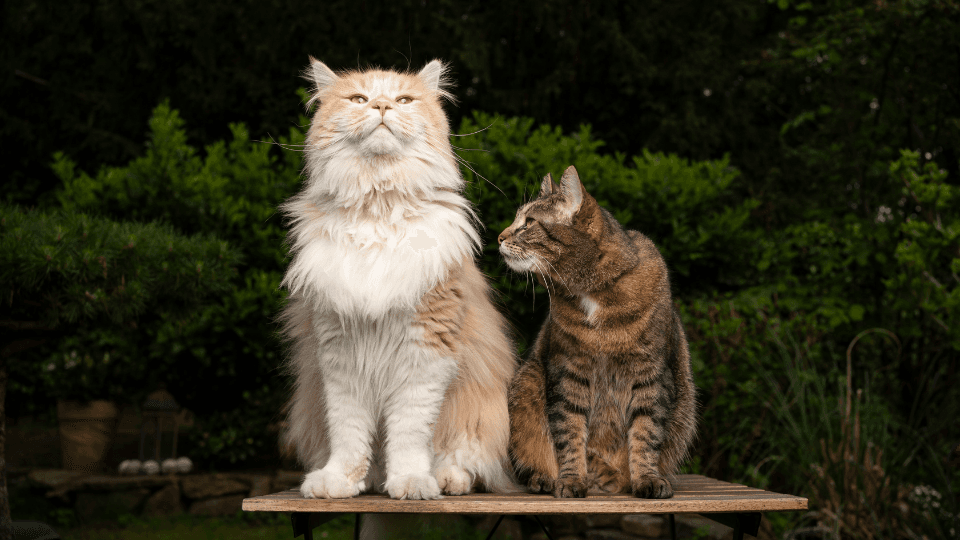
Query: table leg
x=494, y=529
x=356, y=527
x=741, y=522
x=544, y=527
x=305, y=522
x=673, y=527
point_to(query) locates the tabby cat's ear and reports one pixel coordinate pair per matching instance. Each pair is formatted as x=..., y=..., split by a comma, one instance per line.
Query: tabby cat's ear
x=546, y=186
x=572, y=189
x=320, y=75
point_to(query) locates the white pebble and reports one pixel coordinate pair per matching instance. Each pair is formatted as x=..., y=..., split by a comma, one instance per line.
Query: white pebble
x=169, y=466
x=184, y=465
x=130, y=466
x=150, y=467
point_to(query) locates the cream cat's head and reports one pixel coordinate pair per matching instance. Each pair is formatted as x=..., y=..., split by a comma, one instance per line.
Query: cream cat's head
x=380, y=113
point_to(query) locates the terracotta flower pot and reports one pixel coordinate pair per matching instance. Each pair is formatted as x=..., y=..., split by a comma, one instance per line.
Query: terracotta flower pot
x=86, y=430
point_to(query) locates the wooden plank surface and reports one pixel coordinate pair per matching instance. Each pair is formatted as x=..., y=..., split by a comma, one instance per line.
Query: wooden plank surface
x=692, y=494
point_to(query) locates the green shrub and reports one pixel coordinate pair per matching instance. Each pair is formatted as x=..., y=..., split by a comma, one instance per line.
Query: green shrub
x=82, y=283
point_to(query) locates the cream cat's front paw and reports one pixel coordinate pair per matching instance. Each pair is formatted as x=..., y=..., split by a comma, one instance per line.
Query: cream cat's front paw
x=453, y=480
x=413, y=486
x=328, y=484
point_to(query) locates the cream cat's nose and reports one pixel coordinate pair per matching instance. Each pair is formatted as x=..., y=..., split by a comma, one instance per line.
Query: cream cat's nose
x=383, y=105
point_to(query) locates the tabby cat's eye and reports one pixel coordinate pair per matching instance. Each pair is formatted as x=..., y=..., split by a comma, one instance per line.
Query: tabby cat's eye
x=358, y=99
x=404, y=100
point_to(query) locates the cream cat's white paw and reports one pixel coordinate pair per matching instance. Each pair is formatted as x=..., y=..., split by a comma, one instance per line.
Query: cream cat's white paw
x=328, y=484
x=453, y=480
x=413, y=486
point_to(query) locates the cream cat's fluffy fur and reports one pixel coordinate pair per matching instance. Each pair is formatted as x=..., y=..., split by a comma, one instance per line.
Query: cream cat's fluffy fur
x=401, y=361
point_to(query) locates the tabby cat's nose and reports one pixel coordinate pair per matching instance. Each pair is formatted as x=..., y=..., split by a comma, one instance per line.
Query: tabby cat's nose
x=501, y=237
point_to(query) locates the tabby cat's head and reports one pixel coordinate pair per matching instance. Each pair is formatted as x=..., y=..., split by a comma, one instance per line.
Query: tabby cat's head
x=561, y=228
x=377, y=113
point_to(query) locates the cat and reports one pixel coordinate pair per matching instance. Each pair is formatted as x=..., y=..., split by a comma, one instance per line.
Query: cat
x=401, y=361
x=605, y=400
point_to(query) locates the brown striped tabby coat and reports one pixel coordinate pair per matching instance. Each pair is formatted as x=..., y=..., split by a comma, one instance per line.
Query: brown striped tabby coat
x=606, y=398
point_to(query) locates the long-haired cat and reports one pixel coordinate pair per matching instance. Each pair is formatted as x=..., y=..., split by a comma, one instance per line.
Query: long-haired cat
x=401, y=361
x=605, y=399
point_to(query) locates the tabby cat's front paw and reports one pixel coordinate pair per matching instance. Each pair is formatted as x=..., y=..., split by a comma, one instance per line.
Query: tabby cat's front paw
x=570, y=486
x=329, y=484
x=652, y=487
x=541, y=483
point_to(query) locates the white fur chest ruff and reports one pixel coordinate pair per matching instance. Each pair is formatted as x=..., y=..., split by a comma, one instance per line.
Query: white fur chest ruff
x=360, y=265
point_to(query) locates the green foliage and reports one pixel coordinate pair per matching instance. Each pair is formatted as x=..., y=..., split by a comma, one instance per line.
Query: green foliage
x=229, y=348
x=80, y=266
x=90, y=280
x=778, y=412
x=853, y=82
x=689, y=209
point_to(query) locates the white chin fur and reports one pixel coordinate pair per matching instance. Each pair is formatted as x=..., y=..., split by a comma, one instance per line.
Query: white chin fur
x=373, y=235
x=521, y=265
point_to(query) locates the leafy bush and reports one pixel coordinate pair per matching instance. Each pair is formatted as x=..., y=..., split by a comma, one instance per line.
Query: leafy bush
x=232, y=190
x=690, y=210
x=87, y=281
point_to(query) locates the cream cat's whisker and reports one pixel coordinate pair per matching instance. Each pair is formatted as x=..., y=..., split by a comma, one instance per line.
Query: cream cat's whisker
x=469, y=166
x=477, y=131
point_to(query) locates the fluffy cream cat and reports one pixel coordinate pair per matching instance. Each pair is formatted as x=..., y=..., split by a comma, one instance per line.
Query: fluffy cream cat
x=401, y=361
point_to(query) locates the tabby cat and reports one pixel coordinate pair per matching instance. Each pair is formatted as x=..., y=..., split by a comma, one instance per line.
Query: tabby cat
x=605, y=400
x=401, y=362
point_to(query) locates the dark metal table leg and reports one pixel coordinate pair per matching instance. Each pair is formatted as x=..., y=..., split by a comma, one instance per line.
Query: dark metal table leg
x=494, y=529
x=742, y=523
x=544, y=527
x=356, y=527
x=305, y=522
x=673, y=527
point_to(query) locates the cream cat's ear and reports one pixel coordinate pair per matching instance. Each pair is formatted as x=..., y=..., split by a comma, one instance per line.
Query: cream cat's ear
x=546, y=186
x=572, y=189
x=320, y=75
x=434, y=77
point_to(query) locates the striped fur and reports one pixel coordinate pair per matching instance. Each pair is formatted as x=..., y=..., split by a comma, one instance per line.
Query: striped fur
x=605, y=400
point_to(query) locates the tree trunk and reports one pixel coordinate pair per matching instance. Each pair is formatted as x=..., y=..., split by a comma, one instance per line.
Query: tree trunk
x=6, y=527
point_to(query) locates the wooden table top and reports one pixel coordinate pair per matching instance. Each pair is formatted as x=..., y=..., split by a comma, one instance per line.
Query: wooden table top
x=693, y=493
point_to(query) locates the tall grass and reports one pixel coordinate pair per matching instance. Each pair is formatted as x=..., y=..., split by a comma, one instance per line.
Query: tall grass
x=830, y=436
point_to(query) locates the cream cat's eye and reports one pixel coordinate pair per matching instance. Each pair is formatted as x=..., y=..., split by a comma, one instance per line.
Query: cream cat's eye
x=358, y=99
x=405, y=100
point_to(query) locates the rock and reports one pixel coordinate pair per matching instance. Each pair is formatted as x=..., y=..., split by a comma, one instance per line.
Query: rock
x=708, y=529
x=33, y=530
x=608, y=534
x=129, y=467
x=259, y=485
x=645, y=526
x=150, y=467
x=214, y=485
x=217, y=506
x=184, y=465
x=164, y=503
x=285, y=480
x=169, y=466
x=602, y=521
x=94, y=506
x=54, y=478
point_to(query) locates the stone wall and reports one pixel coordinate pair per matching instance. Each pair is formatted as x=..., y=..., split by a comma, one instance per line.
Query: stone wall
x=96, y=497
